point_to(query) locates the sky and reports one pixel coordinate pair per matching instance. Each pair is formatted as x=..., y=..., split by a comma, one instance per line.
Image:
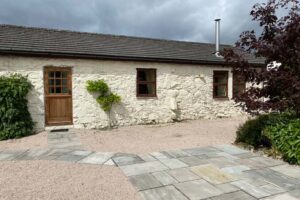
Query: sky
x=187, y=20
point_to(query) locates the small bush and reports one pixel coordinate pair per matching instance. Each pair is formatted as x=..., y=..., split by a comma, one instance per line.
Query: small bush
x=106, y=98
x=15, y=119
x=251, y=132
x=285, y=137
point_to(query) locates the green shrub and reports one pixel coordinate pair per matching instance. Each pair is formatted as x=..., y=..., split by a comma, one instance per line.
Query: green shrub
x=251, y=132
x=97, y=86
x=15, y=119
x=285, y=138
x=106, y=98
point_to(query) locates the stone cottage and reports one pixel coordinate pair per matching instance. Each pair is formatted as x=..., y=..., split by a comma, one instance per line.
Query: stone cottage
x=159, y=81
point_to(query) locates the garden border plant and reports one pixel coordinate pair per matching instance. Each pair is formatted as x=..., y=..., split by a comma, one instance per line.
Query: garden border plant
x=15, y=119
x=285, y=139
x=106, y=98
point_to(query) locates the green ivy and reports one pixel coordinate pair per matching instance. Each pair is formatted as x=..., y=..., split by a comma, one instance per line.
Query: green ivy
x=15, y=119
x=106, y=98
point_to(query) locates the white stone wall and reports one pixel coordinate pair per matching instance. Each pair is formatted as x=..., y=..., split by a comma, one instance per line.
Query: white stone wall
x=183, y=91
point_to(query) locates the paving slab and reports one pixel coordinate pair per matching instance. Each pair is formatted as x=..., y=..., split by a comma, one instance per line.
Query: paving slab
x=247, y=155
x=163, y=193
x=58, y=152
x=176, y=153
x=295, y=193
x=267, y=161
x=70, y=158
x=110, y=162
x=233, y=150
x=221, y=162
x=33, y=154
x=97, y=158
x=144, y=181
x=253, y=164
x=70, y=145
x=239, y=195
x=198, y=189
x=193, y=160
x=227, y=156
x=183, y=174
x=277, y=178
x=6, y=156
x=143, y=168
x=147, y=157
x=252, y=179
x=81, y=153
x=212, y=174
x=164, y=178
x=291, y=171
x=122, y=159
x=159, y=155
x=227, y=188
x=285, y=196
x=235, y=169
x=173, y=163
x=257, y=192
x=272, y=189
x=13, y=154
x=201, y=151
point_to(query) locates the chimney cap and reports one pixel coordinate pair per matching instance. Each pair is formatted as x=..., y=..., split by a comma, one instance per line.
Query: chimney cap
x=217, y=19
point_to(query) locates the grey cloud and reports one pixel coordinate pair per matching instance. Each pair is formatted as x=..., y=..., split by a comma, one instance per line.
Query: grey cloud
x=190, y=20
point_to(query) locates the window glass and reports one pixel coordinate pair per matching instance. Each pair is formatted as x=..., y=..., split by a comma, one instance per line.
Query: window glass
x=51, y=74
x=221, y=78
x=220, y=84
x=146, y=82
x=64, y=74
x=51, y=90
x=64, y=81
x=220, y=91
x=146, y=75
x=64, y=90
x=51, y=82
x=146, y=89
x=57, y=74
x=58, y=90
x=58, y=82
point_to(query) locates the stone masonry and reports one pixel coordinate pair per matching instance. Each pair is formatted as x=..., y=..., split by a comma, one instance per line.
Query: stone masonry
x=189, y=86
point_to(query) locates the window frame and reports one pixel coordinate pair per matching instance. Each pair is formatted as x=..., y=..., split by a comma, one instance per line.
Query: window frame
x=138, y=82
x=218, y=72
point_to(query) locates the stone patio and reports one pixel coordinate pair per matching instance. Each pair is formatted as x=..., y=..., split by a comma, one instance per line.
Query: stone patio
x=210, y=173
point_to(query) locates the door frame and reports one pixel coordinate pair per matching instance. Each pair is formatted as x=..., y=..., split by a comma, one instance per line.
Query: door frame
x=70, y=83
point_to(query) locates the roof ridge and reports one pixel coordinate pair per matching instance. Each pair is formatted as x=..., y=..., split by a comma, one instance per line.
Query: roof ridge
x=104, y=34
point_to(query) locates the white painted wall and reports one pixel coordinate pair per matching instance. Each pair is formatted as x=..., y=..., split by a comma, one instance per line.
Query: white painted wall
x=187, y=87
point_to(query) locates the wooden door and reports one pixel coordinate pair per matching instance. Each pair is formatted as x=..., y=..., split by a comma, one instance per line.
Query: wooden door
x=58, y=95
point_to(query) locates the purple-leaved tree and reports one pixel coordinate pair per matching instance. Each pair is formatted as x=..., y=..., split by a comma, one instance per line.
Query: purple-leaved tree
x=279, y=41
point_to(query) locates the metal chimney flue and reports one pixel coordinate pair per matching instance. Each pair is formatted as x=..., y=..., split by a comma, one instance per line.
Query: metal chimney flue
x=217, y=37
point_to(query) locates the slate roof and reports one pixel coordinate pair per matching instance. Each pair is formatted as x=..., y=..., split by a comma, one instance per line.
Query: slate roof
x=51, y=42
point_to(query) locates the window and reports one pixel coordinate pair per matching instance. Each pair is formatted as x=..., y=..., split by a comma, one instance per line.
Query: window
x=146, y=83
x=58, y=82
x=239, y=85
x=220, y=84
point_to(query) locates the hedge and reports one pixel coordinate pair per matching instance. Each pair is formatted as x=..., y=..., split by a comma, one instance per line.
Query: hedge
x=15, y=119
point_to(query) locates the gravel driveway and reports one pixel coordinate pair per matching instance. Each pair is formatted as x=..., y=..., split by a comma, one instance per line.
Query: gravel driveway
x=150, y=138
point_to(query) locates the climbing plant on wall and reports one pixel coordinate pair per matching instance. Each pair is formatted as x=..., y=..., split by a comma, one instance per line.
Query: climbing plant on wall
x=106, y=98
x=15, y=119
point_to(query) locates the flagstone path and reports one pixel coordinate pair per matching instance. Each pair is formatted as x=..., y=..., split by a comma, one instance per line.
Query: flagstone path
x=211, y=173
